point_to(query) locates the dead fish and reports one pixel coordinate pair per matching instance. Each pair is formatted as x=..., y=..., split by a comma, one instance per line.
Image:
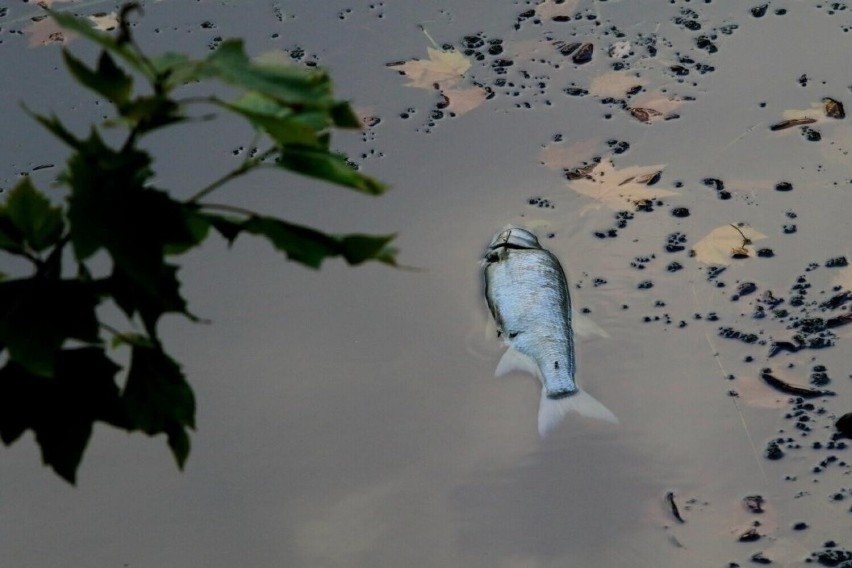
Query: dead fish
x=527, y=293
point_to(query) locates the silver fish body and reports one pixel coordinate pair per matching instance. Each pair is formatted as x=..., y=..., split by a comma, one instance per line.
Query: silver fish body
x=527, y=293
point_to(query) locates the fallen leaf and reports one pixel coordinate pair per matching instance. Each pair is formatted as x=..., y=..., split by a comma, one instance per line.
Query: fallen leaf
x=550, y=9
x=833, y=108
x=46, y=31
x=615, y=84
x=560, y=157
x=105, y=22
x=618, y=189
x=446, y=68
x=719, y=245
x=460, y=101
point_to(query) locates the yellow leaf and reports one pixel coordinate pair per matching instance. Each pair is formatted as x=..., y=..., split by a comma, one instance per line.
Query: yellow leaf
x=719, y=245
x=551, y=8
x=559, y=157
x=618, y=189
x=445, y=68
x=105, y=22
x=461, y=101
x=615, y=84
x=45, y=32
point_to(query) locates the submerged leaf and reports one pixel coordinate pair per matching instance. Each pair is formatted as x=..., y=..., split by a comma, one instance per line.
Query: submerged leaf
x=461, y=101
x=615, y=84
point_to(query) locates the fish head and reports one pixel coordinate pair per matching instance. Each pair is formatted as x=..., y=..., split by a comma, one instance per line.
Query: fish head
x=514, y=237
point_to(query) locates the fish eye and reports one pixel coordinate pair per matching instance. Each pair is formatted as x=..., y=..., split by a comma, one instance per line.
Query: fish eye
x=492, y=256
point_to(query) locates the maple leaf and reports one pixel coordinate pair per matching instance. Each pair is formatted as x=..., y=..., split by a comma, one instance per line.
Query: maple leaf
x=460, y=101
x=654, y=107
x=618, y=189
x=46, y=31
x=553, y=9
x=560, y=157
x=446, y=68
x=721, y=244
x=105, y=22
x=615, y=84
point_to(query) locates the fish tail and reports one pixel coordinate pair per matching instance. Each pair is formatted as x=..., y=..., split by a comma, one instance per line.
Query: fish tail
x=552, y=411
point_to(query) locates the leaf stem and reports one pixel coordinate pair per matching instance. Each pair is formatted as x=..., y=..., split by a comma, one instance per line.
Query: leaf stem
x=230, y=208
x=245, y=167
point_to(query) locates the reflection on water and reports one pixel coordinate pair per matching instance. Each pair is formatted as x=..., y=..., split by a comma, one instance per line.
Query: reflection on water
x=349, y=417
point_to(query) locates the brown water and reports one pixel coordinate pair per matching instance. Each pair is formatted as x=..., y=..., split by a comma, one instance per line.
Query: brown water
x=349, y=417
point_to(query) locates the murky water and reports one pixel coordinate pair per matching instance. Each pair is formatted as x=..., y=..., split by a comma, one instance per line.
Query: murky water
x=349, y=417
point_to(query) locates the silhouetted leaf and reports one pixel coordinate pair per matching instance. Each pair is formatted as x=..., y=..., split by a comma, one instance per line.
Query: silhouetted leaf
x=38, y=315
x=107, y=41
x=289, y=85
x=34, y=223
x=308, y=246
x=327, y=166
x=158, y=399
x=61, y=410
x=108, y=80
x=150, y=303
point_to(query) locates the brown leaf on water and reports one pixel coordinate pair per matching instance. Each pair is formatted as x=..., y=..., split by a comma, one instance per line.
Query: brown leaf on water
x=720, y=244
x=560, y=157
x=444, y=68
x=549, y=9
x=615, y=84
x=645, y=115
x=45, y=31
x=105, y=22
x=833, y=108
x=460, y=101
x=622, y=188
x=790, y=123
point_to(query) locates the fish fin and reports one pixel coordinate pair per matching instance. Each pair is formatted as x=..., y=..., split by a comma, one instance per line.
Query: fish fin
x=584, y=326
x=513, y=360
x=552, y=411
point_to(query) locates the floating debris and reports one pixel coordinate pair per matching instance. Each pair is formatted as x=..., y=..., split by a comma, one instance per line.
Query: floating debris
x=785, y=124
x=833, y=108
x=670, y=500
x=787, y=388
x=844, y=425
x=754, y=503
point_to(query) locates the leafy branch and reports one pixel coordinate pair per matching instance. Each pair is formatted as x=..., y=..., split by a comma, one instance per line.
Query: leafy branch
x=58, y=378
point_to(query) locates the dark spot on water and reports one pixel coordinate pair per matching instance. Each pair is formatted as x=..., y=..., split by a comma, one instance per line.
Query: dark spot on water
x=835, y=262
x=773, y=451
x=765, y=253
x=810, y=134
x=680, y=212
x=645, y=284
x=759, y=11
x=784, y=186
x=675, y=242
x=789, y=229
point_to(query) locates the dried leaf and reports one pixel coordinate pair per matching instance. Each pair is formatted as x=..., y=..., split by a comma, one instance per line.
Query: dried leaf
x=833, y=108
x=785, y=124
x=105, y=22
x=560, y=157
x=45, y=32
x=620, y=188
x=644, y=114
x=615, y=84
x=460, y=101
x=549, y=9
x=445, y=68
x=718, y=246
